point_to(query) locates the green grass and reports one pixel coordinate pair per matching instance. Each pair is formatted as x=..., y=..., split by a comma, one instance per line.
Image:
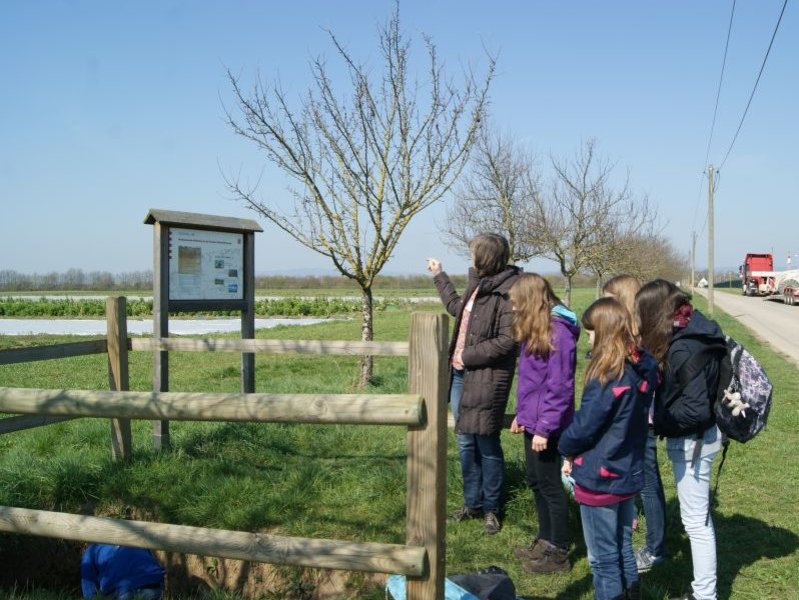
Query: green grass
x=348, y=482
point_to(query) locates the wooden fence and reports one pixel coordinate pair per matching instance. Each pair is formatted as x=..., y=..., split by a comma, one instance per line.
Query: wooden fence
x=423, y=410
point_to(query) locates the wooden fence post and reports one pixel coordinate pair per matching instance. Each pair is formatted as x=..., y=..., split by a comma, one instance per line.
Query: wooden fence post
x=117, y=320
x=427, y=452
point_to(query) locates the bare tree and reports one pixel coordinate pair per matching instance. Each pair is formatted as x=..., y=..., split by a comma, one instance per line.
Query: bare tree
x=652, y=255
x=579, y=222
x=496, y=196
x=621, y=237
x=364, y=165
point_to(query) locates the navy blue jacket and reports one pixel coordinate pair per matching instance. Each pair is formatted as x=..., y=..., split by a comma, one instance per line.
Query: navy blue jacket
x=688, y=411
x=608, y=434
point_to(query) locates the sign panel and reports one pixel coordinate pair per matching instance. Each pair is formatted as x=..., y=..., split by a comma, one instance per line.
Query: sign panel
x=205, y=265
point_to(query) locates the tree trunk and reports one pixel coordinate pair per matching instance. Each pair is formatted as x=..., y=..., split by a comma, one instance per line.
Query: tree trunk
x=366, y=335
x=598, y=285
x=567, y=296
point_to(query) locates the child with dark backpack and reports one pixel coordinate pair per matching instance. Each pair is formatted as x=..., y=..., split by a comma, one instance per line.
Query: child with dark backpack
x=674, y=332
x=604, y=446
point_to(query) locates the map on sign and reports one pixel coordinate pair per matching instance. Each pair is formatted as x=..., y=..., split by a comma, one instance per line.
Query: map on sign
x=205, y=265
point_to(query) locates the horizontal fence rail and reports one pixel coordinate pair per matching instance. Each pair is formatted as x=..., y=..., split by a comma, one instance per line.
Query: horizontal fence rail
x=347, y=348
x=12, y=356
x=258, y=547
x=373, y=409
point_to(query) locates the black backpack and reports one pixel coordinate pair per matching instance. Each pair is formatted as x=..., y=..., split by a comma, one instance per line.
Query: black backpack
x=491, y=583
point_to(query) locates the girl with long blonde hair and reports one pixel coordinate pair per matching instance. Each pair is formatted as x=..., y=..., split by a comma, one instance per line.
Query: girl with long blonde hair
x=604, y=446
x=624, y=288
x=547, y=332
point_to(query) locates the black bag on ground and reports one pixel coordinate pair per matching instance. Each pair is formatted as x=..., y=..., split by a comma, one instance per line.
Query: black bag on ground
x=491, y=583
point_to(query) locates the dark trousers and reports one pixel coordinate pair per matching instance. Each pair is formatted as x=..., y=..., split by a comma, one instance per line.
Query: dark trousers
x=543, y=477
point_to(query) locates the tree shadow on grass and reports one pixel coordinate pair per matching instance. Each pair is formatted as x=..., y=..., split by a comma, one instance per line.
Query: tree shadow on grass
x=740, y=542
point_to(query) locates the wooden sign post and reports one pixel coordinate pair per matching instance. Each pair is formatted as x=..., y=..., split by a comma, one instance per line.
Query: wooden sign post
x=200, y=262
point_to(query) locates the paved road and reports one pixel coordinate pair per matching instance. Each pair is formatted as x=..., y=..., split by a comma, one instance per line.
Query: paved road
x=771, y=320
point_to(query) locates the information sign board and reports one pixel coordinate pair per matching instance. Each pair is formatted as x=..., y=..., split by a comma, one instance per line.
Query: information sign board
x=205, y=265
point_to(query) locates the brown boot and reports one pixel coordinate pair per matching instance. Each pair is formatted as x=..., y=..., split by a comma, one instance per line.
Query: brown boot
x=553, y=559
x=531, y=552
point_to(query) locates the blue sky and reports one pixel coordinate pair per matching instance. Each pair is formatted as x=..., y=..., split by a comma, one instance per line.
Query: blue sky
x=108, y=109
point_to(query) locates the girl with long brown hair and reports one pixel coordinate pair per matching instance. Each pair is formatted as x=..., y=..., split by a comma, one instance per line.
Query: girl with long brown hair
x=674, y=332
x=547, y=332
x=604, y=446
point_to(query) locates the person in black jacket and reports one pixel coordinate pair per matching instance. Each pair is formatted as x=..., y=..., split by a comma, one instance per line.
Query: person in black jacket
x=483, y=359
x=673, y=331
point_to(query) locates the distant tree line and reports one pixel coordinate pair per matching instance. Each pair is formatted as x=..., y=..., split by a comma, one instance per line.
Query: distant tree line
x=104, y=281
x=75, y=280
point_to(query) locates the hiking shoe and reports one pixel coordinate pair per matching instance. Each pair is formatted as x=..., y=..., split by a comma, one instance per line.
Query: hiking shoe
x=633, y=592
x=644, y=561
x=491, y=523
x=553, y=559
x=531, y=552
x=464, y=514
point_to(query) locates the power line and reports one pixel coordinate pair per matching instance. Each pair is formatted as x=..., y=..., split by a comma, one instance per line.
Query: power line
x=752, y=95
x=721, y=78
x=715, y=112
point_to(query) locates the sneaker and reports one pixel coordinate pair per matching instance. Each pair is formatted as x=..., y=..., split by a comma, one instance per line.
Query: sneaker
x=687, y=596
x=531, y=552
x=553, y=559
x=645, y=561
x=464, y=514
x=491, y=523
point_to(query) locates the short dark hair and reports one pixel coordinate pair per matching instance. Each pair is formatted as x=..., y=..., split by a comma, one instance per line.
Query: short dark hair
x=491, y=253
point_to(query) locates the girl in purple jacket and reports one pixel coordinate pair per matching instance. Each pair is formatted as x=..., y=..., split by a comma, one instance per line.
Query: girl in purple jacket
x=547, y=332
x=604, y=446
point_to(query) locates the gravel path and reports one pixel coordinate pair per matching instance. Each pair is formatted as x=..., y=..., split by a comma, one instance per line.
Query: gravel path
x=771, y=320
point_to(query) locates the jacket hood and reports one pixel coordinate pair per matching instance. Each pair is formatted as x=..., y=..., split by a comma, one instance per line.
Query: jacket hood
x=498, y=282
x=565, y=313
x=699, y=325
x=566, y=319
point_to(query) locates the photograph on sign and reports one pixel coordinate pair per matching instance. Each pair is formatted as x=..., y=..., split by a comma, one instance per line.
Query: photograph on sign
x=205, y=265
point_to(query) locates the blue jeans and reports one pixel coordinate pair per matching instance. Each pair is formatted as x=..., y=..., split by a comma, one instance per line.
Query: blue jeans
x=693, y=492
x=455, y=392
x=483, y=470
x=482, y=459
x=608, y=532
x=653, y=499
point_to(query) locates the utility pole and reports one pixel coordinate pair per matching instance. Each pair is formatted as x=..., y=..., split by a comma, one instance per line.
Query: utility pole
x=710, y=240
x=693, y=259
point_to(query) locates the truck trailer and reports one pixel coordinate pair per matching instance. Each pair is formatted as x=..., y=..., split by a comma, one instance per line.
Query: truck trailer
x=758, y=278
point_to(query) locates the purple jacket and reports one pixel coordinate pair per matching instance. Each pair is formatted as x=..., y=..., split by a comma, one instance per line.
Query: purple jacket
x=545, y=386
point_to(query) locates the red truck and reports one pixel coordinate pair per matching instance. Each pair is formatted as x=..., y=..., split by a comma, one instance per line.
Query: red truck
x=758, y=278
x=757, y=274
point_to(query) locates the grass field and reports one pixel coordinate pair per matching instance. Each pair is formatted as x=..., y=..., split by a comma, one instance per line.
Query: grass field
x=348, y=482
